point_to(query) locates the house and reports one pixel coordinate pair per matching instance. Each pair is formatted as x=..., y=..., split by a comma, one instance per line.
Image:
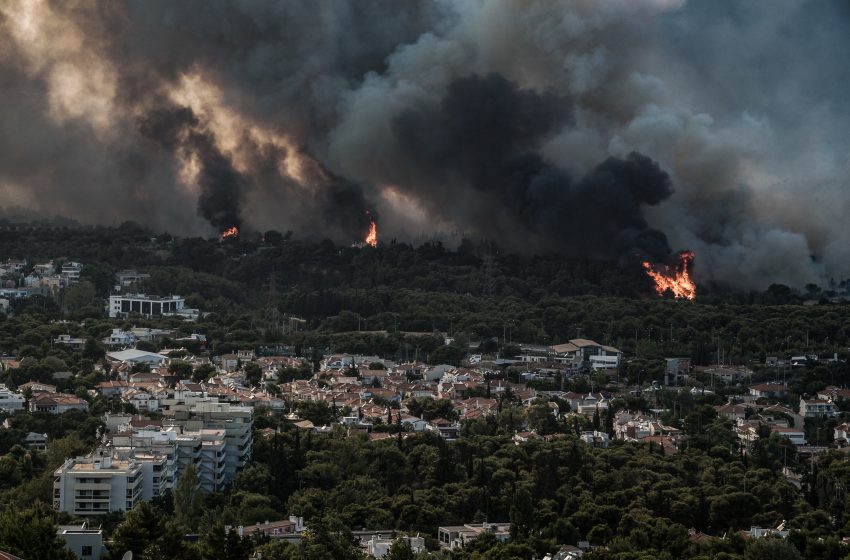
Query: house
x=454, y=537
x=36, y=387
x=769, y=390
x=229, y=362
x=57, y=403
x=10, y=401
x=127, y=278
x=732, y=411
x=730, y=374
x=378, y=546
x=797, y=437
x=246, y=355
x=71, y=272
x=596, y=439
x=36, y=441
x=448, y=430
x=120, y=338
x=86, y=543
x=68, y=340
x=834, y=394
x=840, y=434
x=817, y=408
x=289, y=526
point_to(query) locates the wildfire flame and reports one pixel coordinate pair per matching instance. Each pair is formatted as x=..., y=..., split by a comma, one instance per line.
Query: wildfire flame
x=372, y=236
x=229, y=232
x=675, y=278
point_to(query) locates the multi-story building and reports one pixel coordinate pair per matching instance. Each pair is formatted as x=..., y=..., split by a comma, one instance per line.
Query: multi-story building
x=10, y=401
x=71, y=272
x=147, y=305
x=817, y=408
x=234, y=421
x=129, y=278
x=97, y=484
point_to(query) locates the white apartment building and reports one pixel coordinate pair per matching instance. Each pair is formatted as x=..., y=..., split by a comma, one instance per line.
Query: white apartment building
x=97, y=484
x=10, y=401
x=71, y=272
x=147, y=305
x=235, y=422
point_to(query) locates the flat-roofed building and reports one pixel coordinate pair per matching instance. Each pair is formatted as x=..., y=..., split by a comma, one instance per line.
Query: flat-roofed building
x=97, y=484
x=143, y=304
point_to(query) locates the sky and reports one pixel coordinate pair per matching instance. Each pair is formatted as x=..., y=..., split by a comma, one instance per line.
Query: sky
x=597, y=129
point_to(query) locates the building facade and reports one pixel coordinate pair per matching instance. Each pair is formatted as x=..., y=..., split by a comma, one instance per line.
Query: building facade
x=147, y=305
x=97, y=484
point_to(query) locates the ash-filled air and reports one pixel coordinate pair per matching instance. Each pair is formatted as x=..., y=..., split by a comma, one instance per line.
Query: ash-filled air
x=588, y=128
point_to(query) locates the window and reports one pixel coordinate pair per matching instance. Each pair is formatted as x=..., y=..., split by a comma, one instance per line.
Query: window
x=86, y=550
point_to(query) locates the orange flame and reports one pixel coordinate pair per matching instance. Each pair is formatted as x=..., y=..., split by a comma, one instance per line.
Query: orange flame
x=675, y=278
x=372, y=236
x=229, y=232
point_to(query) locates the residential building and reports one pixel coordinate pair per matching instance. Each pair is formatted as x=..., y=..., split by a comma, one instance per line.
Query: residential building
x=147, y=305
x=73, y=342
x=97, y=484
x=453, y=537
x=129, y=278
x=57, y=403
x=378, y=546
x=817, y=408
x=120, y=338
x=235, y=422
x=36, y=441
x=797, y=437
x=71, y=272
x=44, y=269
x=11, y=401
x=769, y=390
x=86, y=543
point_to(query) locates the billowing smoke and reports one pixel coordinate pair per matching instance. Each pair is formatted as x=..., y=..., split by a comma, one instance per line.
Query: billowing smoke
x=482, y=141
x=222, y=188
x=583, y=127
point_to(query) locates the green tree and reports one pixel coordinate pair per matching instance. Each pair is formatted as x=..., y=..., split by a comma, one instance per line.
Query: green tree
x=253, y=373
x=31, y=534
x=400, y=550
x=771, y=549
x=188, y=500
x=140, y=528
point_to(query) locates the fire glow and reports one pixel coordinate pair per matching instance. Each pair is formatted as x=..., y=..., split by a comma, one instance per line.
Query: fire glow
x=675, y=277
x=229, y=232
x=372, y=236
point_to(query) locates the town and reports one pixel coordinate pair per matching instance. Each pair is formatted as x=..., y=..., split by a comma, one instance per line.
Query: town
x=160, y=407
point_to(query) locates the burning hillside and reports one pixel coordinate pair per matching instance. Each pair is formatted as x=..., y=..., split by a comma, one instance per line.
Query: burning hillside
x=372, y=236
x=229, y=232
x=675, y=277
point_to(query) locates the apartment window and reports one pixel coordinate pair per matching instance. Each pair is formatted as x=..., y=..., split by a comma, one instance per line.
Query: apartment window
x=86, y=550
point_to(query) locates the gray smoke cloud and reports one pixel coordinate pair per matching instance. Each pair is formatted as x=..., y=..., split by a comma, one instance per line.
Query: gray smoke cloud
x=582, y=127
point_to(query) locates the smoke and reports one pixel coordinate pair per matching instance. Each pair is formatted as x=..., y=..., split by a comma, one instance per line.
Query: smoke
x=586, y=128
x=177, y=130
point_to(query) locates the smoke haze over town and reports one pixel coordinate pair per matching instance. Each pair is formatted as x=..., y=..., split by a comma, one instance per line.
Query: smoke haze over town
x=586, y=128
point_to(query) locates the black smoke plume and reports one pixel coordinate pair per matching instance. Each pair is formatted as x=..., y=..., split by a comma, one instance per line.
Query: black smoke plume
x=484, y=137
x=178, y=131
